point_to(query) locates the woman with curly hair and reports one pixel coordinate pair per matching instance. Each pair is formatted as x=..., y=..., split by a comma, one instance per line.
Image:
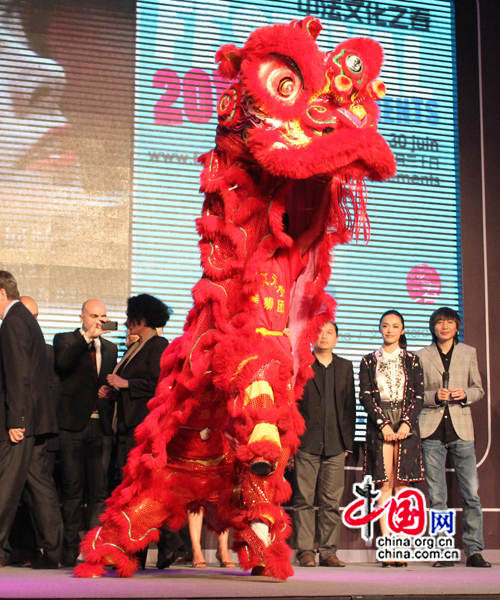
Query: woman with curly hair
x=135, y=377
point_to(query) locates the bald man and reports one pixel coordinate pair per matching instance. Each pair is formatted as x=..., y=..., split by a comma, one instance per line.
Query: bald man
x=31, y=305
x=83, y=361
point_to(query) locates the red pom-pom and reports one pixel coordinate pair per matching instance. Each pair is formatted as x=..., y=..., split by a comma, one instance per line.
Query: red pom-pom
x=229, y=58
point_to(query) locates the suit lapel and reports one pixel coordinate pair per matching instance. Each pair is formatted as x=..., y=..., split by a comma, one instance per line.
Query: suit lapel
x=87, y=357
x=104, y=360
x=435, y=358
x=132, y=358
x=456, y=357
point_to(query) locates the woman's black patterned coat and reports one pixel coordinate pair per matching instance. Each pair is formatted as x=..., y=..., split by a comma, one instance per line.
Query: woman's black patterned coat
x=409, y=464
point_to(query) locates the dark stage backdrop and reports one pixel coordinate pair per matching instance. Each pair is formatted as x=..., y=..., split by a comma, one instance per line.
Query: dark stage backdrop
x=105, y=105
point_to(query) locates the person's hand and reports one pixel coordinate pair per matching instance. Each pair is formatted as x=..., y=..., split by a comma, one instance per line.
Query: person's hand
x=457, y=394
x=117, y=381
x=403, y=431
x=106, y=392
x=16, y=435
x=443, y=395
x=205, y=434
x=388, y=433
x=286, y=332
x=96, y=329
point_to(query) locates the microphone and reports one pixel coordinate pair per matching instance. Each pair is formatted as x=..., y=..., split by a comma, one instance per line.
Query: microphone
x=446, y=379
x=446, y=383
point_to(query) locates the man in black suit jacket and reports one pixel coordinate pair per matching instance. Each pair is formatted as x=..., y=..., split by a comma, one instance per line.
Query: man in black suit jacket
x=328, y=406
x=83, y=360
x=26, y=418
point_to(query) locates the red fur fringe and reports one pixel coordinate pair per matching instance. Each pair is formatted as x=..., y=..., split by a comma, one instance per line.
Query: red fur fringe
x=248, y=187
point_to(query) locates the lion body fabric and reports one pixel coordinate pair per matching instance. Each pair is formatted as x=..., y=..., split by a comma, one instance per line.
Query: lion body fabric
x=295, y=124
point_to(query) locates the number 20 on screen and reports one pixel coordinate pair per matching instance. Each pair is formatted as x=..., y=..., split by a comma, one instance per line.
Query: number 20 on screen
x=195, y=89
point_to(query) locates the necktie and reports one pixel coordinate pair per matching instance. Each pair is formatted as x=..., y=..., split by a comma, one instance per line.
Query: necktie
x=93, y=355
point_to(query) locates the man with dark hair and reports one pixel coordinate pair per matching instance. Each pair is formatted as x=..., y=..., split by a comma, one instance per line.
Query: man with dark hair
x=83, y=361
x=26, y=418
x=452, y=383
x=328, y=406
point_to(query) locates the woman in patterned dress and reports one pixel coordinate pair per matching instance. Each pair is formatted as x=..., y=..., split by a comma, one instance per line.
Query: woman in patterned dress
x=391, y=391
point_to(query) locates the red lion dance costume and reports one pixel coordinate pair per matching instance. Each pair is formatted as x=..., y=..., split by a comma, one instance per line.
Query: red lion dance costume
x=296, y=126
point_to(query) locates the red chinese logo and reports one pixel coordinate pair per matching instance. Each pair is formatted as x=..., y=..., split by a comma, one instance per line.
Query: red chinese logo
x=405, y=512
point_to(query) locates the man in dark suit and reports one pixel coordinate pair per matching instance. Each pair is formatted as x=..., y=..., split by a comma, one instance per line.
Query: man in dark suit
x=83, y=360
x=328, y=406
x=23, y=537
x=26, y=418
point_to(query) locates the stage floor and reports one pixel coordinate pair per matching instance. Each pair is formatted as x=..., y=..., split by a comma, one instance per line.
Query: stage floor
x=360, y=580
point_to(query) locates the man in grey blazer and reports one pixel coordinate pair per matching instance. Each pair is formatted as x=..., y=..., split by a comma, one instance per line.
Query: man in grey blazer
x=452, y=383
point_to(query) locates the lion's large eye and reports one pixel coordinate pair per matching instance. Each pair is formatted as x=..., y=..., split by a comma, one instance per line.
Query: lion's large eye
x=286, y=87
x=354, y=64
x=281, y=77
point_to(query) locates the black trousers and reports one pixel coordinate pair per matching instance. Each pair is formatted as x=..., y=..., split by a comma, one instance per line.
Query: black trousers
x=126, y=442
x=24, y=470
x=85, y=457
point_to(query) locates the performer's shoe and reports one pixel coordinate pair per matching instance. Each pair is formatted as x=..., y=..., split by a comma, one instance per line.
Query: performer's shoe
x=225, y=564
x=142, y=556
x=400, y=564
x=164, y=561
x=258, y=570
x=3, y=562
x=200, y=565
x=261, y=467
x=443, y=563
x=89, y=570
x=388, y=564
x=331, y=560
x=307, y=559
x=476, y=560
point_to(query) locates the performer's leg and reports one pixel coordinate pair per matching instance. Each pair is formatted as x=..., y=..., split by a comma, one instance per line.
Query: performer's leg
x=267, y=418
x=261, y=544
x=223, y=555
x=128, y=529
x=195, y=521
